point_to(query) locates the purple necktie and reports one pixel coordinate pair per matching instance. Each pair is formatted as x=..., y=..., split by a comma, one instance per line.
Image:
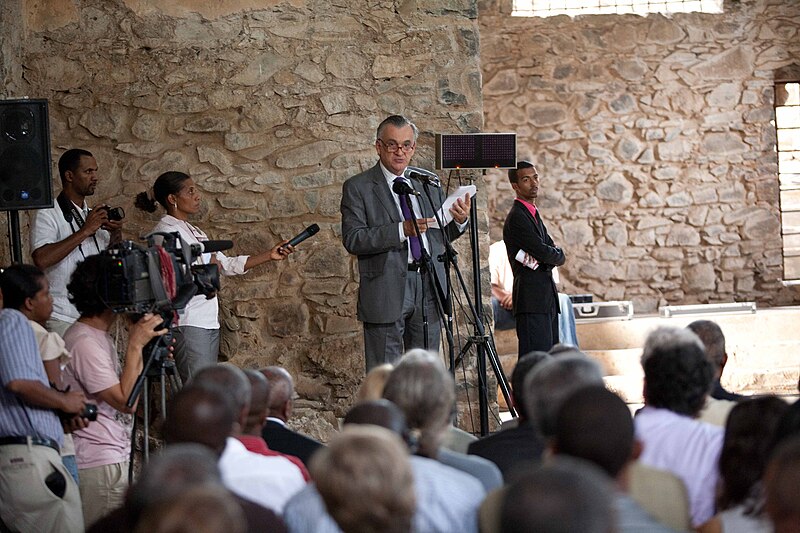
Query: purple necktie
x=413, y=240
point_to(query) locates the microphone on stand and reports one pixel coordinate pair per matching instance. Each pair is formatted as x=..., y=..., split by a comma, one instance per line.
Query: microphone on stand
x=423, y=175
x=401, y=187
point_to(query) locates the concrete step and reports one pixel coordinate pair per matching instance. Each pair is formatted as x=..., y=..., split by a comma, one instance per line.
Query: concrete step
x=763, y=350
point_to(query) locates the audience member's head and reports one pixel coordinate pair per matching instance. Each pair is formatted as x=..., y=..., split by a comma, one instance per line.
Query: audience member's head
x=281, y=392
x=380, y=412
x=26, y=289
x=423, y=389
x=746, y=447
x=524, y=365
x=259, y=395
x=595, y=424
x=714, y=342
x=168, y=474
x=365, y=478
x=552, y=382
x=781, y=481
x=233, y=381
x=677, y=375
x=563, y=496
x=788, y=426
x=383, y=413
x=200, y=509
x=374, y=382
x=565, y=349
x=201, y=414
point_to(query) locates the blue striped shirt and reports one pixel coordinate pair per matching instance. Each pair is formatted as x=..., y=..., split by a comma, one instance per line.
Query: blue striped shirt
x=20, y=360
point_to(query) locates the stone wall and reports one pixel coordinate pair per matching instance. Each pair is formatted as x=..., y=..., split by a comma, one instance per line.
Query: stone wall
x=270, y=106
x=654, y=142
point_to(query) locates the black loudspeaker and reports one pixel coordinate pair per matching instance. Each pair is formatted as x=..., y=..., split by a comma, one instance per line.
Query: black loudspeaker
x=25, y=170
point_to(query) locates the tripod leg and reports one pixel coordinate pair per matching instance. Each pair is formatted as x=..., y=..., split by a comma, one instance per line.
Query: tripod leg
x=502, y=381
x=146, y=421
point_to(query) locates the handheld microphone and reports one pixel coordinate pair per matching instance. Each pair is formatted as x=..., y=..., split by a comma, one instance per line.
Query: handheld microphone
x=212, y=246
x=401, y=187
x=303, y=235
x=423, y=175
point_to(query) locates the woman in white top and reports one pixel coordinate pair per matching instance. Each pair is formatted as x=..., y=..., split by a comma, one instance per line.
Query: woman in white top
x=197, y=337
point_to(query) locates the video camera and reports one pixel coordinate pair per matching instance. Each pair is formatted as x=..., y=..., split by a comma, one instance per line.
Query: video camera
x=158, y=278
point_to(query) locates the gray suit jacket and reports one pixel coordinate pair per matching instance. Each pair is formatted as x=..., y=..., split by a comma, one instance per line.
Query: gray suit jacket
x=370, y=221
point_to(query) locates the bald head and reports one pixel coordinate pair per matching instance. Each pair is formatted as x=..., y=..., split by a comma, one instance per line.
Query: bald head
x=200, y=414
x=281, y=390
x=229, y=378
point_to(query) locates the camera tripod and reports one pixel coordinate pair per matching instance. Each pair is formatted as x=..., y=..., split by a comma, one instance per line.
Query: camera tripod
x=159, y=372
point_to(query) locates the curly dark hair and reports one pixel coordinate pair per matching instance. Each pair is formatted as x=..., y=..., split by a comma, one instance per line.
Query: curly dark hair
x=677, y=375
x=746, y=447
x=82, y=286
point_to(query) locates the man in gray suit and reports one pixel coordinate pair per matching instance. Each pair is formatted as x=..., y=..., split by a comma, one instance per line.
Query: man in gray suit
x=375, y=228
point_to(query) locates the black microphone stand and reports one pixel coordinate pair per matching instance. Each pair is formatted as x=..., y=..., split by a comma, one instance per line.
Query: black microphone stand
x=483, y=342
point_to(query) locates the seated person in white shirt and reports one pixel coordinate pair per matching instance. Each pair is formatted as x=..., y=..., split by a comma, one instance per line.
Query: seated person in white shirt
x=677, y=378
x=267, y=480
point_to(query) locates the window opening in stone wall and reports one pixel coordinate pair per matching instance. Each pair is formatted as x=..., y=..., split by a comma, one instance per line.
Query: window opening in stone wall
x=787, y=126
x=550, y=8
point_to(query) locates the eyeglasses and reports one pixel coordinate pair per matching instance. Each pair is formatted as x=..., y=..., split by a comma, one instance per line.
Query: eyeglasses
x=392, y=146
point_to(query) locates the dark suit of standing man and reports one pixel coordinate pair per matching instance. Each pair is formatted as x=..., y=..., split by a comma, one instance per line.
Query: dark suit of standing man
x=535, y=297
x=373, y=228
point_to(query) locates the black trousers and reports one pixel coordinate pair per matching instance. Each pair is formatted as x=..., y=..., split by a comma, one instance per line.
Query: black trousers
x=536, y=331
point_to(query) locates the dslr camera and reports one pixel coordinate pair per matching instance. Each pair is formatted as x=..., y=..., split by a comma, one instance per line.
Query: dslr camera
x=113, y=213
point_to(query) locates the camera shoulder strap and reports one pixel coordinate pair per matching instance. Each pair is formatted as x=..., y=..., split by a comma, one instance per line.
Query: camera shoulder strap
x=71, y=212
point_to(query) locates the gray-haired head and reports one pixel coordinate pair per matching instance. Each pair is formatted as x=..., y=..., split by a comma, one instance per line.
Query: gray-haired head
x=398, y=121
x=552, y=382
x=423, y=389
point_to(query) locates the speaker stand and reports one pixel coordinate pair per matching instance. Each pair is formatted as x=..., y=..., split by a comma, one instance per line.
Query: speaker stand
x=13, y=233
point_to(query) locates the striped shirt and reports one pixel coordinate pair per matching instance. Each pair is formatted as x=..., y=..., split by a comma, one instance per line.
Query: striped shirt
x=20, y=360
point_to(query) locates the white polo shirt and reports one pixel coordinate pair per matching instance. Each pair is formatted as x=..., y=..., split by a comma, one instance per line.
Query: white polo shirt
x=49, y=226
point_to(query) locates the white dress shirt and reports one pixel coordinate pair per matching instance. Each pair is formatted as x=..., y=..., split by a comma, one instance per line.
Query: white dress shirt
x=49, y=226
x=201, y=312
x=269, y=481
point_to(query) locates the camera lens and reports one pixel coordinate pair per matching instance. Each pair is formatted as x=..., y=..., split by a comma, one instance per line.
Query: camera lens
x=90, y=412
x=115, y=213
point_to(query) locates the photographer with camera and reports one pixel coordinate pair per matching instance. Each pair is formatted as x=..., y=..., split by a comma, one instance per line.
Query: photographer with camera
x=37, y=493
x=25, y=288
x=69, y=232
x=197, y=337
x=103, y=448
